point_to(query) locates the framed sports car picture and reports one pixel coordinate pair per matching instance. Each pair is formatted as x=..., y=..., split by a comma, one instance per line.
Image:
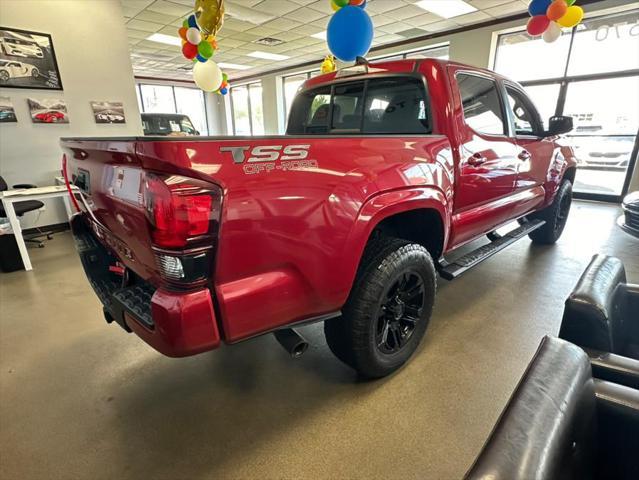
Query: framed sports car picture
x=7, y=113
x=48, y=110
x=108, y=112
x=27, y=60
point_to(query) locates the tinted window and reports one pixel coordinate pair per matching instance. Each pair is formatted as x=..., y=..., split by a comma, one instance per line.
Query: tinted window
x=392, y=105
x=395, y=106
x=524, y=115
x=482, y=108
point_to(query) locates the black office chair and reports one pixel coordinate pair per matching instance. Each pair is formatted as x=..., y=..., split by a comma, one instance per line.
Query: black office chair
x=24, y=207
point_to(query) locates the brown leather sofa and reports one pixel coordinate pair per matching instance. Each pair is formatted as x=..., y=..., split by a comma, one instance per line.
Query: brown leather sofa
x=561, y=423
x=601, y=315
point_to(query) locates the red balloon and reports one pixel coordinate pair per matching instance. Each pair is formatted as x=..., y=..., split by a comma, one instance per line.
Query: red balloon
x=356, y=2
x=537, y=25
x=189, y=50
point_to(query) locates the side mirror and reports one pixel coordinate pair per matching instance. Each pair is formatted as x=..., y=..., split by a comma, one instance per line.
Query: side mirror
x=559, y=125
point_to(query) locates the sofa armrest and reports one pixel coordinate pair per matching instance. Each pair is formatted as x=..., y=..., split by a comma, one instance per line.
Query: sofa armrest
x=614, y=368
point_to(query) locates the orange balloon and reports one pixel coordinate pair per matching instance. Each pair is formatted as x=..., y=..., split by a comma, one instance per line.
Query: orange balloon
x=182, y=33
x=556, y=10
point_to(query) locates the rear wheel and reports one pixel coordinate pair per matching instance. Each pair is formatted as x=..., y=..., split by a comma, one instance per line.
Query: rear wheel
x=388, y=310
x=555, y=216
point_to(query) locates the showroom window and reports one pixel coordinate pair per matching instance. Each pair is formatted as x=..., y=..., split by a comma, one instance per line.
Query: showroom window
x=246, y=106
x=591, y=74
x=170, y=99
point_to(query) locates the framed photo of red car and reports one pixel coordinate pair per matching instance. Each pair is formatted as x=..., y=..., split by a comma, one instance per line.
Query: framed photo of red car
x=27, y=60
x=48, y=110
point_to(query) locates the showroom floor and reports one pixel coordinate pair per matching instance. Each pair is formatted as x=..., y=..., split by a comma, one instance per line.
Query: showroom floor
x=80, y=399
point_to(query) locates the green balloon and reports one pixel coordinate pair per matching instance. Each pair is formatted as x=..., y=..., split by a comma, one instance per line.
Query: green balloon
x=570, y=2
x=341, y=3
x=185, y=23
x=225, y=77
x=205, y=49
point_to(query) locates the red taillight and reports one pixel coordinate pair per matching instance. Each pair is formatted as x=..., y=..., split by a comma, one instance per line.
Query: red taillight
x=181, y=211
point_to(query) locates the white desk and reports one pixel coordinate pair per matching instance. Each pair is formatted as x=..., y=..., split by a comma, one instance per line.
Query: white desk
x=9, y=197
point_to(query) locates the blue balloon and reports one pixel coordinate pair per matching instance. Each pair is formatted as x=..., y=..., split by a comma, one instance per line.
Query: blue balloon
x=192, y=21
x=350, y=33
x=224, y=91
x=200, y=58
x=363, y=5
x=538, y=7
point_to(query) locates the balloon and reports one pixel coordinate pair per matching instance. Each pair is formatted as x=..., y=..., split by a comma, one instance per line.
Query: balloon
x=205, y=49
x=556, y=10
x=363, y=4
x=225, y=77
x=200, y=58
x=224, y=91
x=191, y=21
x=537, y=25
x=570, y=2
x=572, y=17
x=538, y=7
x=189, y=50
x=193, y=36
x=207, y=76
x=185, y=23
x=210, y=15
x=356, y=3
x=182, y=33
x=552, y=33
x=349, y=33
x=340, y=3
x=335, y=6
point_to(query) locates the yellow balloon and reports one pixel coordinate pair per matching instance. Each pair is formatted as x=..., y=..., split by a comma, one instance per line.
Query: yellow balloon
x=335, y=6
x=572, y=17
x=209, y=15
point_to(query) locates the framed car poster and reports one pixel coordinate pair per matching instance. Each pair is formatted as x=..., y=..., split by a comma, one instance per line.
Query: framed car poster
x=7, y=113
x=108, y=112
x=48, y=110
x=27, y=60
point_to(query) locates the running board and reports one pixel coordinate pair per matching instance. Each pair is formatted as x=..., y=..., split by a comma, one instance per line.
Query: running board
x=450, y=271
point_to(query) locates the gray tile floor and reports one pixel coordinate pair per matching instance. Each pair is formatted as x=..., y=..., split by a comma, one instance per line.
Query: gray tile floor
x=80, y=399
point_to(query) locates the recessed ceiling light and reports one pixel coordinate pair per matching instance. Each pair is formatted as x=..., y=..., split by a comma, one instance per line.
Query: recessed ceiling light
x=320, y=35
x=446, y=8
x=168, y=39
x=233, y=66
x=267, y=56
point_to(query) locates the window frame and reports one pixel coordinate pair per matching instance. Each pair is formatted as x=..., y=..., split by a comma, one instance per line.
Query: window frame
x=138, y=87
x=248, y=100
x=421, y=80
x=507, y=131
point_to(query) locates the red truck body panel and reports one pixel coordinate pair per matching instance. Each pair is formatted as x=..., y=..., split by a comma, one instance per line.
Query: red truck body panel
x=291, y=235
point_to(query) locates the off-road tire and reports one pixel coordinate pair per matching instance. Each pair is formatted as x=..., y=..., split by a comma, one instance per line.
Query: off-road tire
x=353, y=337
x=555, y=215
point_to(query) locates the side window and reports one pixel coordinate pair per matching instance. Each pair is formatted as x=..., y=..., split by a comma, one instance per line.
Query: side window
x=395, y=106
x=524, y=116
x=347, y=106
x=482, y=108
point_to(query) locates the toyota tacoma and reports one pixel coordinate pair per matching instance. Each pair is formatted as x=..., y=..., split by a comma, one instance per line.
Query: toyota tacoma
x=386, y=169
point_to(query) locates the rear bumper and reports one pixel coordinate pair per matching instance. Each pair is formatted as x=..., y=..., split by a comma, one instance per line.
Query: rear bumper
x=175, y=323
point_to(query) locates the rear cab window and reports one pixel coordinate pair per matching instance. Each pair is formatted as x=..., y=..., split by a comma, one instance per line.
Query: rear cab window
x=481, y=102
x=386, y=105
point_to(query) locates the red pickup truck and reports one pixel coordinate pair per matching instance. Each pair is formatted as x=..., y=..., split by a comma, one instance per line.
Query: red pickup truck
x=385, y=170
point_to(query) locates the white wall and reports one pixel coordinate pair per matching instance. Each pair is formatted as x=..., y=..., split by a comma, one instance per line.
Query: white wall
x=91, y=47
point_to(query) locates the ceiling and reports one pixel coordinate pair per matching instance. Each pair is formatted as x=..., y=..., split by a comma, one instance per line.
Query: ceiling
x=291, y=21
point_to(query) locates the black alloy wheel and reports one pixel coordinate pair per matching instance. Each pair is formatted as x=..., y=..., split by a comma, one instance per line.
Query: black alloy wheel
x=401, y=309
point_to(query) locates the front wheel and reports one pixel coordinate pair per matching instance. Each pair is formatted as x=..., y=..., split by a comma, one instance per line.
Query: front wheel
x=555, y=215
x=388, y=310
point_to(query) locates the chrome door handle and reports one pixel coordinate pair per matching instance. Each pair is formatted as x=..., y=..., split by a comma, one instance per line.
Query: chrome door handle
x=476, y=159
x=524, y=155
